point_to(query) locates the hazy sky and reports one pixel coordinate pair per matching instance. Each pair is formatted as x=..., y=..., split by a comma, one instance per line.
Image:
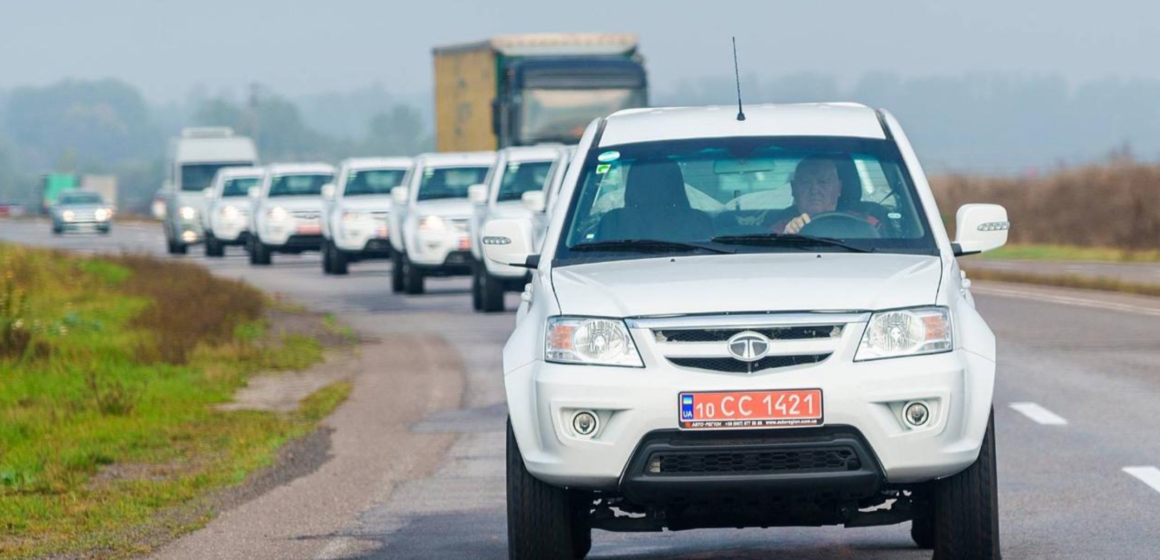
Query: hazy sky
x=166, y=47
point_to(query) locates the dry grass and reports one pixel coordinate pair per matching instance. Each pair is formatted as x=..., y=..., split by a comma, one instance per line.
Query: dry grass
x=1115, y=204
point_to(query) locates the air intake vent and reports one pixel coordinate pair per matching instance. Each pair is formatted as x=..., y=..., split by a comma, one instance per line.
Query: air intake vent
x=828, y=459
x=731, y=365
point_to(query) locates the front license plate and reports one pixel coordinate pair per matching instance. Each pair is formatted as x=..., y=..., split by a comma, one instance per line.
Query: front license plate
x=750, y=409
x=464, y=243
x=308, y=229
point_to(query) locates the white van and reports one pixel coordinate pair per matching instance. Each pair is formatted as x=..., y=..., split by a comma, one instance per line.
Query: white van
x=194, y=158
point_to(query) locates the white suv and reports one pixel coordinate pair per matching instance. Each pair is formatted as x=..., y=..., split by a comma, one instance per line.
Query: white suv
x=226, y=220
x=749, y=323
x=516, y=189
x=429, y=218
x=356, y=211
x=287, y=207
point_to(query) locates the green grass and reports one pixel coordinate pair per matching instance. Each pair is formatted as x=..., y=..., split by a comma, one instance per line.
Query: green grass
x=1071, y=253
x=107, y=414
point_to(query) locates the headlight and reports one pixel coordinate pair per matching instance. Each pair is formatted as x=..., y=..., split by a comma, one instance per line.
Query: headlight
x=431, y=223
x=277, y=213
x=906, y=332
x=354, y=216
x=230, y=212
x=103, y=214
x=187, y=212
x=68, y=215
x=591, y=341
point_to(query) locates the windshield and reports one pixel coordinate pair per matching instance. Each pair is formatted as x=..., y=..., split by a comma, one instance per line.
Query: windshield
x=299, y=185
x=745, y=195
x=522, y=177
x=239, y=186
x=196, y=177
x=561, y=115
x=80, y=198
x=449, y=182
x=373, y=181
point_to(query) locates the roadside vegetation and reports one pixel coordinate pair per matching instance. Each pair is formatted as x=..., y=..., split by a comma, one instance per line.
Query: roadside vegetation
x=110, y=370
x=1041, y=252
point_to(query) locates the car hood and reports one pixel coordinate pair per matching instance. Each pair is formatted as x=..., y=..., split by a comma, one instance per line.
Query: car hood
x=368, y=203
x=453, y=208
x=747, y=283
x=295, y=202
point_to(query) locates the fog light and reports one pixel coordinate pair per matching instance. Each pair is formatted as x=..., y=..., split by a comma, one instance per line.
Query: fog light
x=916, y=414
x=584, y=422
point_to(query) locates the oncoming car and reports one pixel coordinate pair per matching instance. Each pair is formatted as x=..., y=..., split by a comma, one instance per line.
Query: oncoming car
x=356, y=211
x=287, y=207
x=226, y=220
x=749, y=323
x=81, y=210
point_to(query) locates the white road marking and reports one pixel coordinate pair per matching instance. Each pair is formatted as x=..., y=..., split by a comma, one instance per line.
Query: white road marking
x=1039, y=414
x=1147, y=475
x=1066, y=300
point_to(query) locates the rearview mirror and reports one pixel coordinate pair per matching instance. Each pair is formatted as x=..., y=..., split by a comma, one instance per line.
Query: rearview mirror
x=508, y=242
x=254, y=192
x=534, y=201
x=979, y=228
x=328, y=191
x=399, y=195
x=477, y=194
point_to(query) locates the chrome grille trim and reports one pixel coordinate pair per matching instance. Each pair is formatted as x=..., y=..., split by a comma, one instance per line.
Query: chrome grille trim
x=748, y=320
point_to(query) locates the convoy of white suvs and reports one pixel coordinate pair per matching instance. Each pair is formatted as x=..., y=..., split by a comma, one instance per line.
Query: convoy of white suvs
x=724, y=320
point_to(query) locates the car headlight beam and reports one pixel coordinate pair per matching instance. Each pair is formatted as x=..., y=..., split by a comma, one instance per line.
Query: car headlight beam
x=590, y=341
x=102, y=214
x=906, y=332
x=278, y=214
x=431, y=223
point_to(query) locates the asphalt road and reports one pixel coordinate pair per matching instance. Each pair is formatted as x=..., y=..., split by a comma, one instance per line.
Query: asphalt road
x=1075, y=407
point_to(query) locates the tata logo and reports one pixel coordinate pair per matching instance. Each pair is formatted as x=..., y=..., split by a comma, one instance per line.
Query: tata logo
x=748, y=346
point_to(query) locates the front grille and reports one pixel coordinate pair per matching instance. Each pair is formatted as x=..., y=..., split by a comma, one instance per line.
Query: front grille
x=732, y=365
x=381, y=216
x=774, y=333
x=776, y=461
x=306, y=214
x=459, y=224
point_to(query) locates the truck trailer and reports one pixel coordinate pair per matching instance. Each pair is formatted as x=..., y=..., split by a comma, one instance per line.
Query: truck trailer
x=521, y=90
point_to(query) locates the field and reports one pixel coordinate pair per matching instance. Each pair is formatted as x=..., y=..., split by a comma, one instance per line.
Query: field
x=110, y=370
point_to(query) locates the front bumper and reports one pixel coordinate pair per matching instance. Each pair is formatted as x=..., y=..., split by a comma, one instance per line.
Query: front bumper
x=867, y=397
x=362, y=237
x=92, y=225
x=433, y=249
x=231, y=231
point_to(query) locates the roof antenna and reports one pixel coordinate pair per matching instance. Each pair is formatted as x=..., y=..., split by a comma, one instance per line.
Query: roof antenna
x=737, y=74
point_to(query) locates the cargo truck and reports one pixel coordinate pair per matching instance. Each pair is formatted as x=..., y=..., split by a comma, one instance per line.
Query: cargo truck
x=520, y=90
x=52, y=185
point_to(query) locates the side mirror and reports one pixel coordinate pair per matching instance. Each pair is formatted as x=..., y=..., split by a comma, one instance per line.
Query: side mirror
x=979, y=228
x=207, y=192
x=328, y=191
x=534, y=201
x=508, y=242
x=254, y=192
x=477, y=194
x=158, y=207
x=399, y=195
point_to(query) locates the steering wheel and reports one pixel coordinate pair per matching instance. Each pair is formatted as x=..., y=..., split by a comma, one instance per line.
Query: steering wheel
x=840, y=225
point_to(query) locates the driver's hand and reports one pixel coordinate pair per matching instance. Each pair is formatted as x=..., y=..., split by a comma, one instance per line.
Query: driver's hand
x=795, y=225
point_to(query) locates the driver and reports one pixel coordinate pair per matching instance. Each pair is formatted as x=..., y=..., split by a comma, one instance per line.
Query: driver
x=816, y=188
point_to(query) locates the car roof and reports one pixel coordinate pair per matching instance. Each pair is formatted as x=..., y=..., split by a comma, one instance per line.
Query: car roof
x=805, y=119
x=234, y=172
x=299, y=168
x=456, y=159
x=378, y=163
x=548, y=152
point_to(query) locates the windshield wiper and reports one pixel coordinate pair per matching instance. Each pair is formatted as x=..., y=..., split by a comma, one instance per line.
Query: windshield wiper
x=646, y=245
x=775, y=239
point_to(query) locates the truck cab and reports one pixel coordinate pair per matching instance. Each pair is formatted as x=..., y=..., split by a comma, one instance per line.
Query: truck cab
x=356, y=211
x=429, y=218
x=516, y=189
x=194, y=158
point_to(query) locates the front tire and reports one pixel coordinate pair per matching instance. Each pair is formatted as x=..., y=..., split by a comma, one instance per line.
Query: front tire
x=338, y=261
x=396, y=272
x=476, y=296
x=214, y=246
x=260, y=254
x=966, y=508
x=326, y=263
x=413, y=281
x=491, y=292
x=544, y=521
